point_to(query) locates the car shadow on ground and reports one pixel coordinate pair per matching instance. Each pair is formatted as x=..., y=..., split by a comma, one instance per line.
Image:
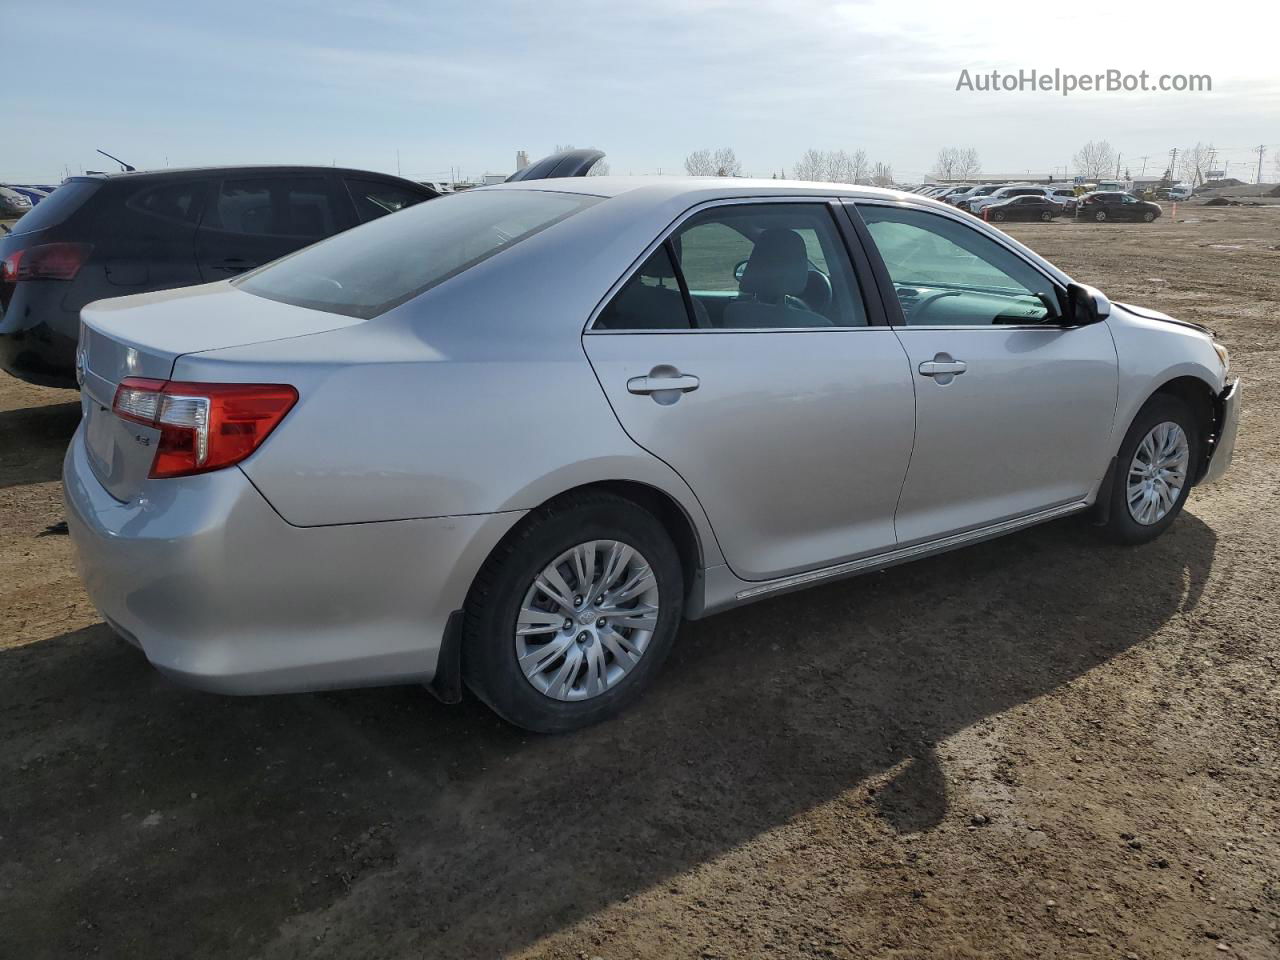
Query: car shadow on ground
x=139, y=818
x=33, y=440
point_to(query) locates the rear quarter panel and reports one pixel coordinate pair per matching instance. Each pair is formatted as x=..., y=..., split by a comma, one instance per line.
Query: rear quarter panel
x=477, y=397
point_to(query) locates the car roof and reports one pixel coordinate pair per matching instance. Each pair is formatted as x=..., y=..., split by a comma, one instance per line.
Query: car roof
x=238, y=169
x=661, y=188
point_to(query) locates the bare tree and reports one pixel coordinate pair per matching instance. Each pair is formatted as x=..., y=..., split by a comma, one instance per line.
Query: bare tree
x=1193, y=162
x=839, y=167
x=834, y=166
x=956, y=163
x=726, y=163
x=704, y=163
x=967, y=163
x=1095, y=160
x=812, y=166
x=699, y=164
x=882, y=175
x=944, y=168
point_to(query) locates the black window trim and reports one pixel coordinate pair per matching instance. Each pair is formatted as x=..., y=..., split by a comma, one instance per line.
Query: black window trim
x=888, y=294
x=876, y=318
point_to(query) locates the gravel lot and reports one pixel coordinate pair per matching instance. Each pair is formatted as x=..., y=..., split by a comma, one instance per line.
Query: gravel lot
x=1039, y=747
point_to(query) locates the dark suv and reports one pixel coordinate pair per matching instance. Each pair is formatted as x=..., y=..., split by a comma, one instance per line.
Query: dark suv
x=1103, y=206
x=104, y=236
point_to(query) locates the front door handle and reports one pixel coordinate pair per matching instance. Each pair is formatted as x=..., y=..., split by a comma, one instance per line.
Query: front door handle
x=664, y=383
x=943, y=368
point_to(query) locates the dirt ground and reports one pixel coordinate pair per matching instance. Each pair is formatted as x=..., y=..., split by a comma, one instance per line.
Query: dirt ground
x=1039, y=747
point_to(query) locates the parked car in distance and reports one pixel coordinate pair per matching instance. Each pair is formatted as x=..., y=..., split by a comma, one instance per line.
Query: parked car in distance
x=13, y=203
x=963, y=201
x=512, y=437
x=109, y=235
x=1004, y=193
x=1116, y=206
x=33, y=194
x=1065, y=196
x=959, y=189
x=1026, y=207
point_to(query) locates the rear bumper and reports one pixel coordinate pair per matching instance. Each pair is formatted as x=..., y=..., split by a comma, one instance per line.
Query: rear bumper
x=38, y=335
x=219, y=592
x=1225, y=444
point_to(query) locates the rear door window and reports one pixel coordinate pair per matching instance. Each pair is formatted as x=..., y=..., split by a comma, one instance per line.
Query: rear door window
x=58, y=206
x=377, y=198
x=274, y=207
x=172, y=201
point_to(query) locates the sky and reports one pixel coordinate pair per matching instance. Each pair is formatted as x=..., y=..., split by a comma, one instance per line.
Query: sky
x=432, y=87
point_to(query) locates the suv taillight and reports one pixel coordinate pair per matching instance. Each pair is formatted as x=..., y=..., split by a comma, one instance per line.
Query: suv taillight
x=46, y=261
x=203, y=426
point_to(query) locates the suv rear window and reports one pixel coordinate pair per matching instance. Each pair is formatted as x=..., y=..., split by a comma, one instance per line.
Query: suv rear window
x=380, y=265
x=56, y=207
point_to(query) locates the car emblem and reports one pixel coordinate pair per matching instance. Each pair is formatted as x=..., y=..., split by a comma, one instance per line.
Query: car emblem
x=81, y=364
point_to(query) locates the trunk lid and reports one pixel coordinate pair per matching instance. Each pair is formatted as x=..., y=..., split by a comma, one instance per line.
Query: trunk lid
x=143, y=336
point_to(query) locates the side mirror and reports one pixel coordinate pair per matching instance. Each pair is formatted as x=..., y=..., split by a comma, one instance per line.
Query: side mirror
x=1086, y=305
x=739, y=270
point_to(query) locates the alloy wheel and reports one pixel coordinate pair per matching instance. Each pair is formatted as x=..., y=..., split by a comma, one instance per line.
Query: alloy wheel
x=1157, y=473
x=586, y=620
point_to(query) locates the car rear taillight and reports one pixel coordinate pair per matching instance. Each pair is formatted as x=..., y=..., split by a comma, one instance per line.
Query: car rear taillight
x=203, y=426
x=47, y=261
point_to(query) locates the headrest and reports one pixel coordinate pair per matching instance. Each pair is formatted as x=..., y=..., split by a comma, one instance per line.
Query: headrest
x=778, y=266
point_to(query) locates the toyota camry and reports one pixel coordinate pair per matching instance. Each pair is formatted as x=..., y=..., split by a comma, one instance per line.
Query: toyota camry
x=508, y=440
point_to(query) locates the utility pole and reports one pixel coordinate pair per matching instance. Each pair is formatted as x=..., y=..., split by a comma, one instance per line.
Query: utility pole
x=1118, y=156
x=1144, y=165
x=1173, y=163
x=1262, y=149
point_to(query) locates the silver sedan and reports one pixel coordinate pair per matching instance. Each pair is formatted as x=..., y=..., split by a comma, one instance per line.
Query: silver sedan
x=510, y=438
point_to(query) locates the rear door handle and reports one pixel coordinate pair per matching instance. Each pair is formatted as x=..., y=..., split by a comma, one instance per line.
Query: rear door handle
x=664, y=383
x=943, y=368
x=933, y=368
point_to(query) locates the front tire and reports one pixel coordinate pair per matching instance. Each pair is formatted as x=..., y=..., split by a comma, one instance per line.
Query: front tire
x=1046, y=216
x=1100, y=216
x=998, y=216
x=1154, y=470
x=571, y=618
x=1148, y=216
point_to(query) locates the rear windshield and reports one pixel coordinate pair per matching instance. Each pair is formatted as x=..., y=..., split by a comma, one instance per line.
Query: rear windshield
x=57, y=206
x=377, y=266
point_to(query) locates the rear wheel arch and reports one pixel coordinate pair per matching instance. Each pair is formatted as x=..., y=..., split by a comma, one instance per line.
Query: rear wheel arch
x=664, y=508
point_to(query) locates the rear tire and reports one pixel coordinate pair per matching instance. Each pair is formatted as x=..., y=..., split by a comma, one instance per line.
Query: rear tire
x=998, y=216
x=500, y=597
x=1126, y=523
x=1100, y=216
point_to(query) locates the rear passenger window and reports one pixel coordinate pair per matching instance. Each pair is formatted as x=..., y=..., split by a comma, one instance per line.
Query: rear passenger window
x=377, y=198
x=172, y=201
x=294, y=207
x=650, y=300
x=780, y=266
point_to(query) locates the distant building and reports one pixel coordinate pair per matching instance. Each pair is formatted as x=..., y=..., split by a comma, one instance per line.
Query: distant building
x=492, y=178
x=522, y=160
